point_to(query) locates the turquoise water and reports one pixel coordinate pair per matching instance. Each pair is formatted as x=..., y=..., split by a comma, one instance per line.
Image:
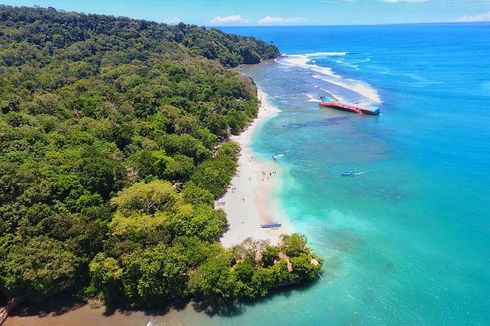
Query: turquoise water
x=406, y=242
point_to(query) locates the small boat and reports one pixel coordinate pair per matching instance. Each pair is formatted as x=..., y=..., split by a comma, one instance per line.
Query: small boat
x=274, y=157
x=333, y=103
x=351, y=173
x=270, y=225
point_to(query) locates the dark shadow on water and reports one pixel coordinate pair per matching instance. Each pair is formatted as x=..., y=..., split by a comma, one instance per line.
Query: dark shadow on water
x=218, y=307
x=230, y=309
x=286, y=292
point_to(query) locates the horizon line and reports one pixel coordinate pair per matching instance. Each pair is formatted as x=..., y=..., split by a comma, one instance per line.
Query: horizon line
x=250, y=25
x=333, y=25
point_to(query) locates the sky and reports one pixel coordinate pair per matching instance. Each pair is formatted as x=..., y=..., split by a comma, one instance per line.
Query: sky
x=279, y=12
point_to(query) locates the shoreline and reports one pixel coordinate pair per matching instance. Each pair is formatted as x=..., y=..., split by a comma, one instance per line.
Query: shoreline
x=250, y=199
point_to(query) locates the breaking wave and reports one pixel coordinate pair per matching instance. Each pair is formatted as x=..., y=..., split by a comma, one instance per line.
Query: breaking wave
x=327, y=74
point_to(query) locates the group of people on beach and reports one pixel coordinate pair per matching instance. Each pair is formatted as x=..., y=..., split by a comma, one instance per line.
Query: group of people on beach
x=264, y=174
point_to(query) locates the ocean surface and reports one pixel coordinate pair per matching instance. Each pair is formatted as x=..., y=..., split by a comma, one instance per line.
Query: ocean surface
x=407, y=242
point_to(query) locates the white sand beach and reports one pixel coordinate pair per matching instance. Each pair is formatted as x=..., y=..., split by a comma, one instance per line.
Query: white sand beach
x=250, y=200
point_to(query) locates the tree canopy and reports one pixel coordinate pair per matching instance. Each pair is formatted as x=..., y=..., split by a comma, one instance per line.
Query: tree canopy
x=113, y=148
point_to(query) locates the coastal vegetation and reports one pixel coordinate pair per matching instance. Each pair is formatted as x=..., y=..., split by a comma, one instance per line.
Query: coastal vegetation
x=113, y=148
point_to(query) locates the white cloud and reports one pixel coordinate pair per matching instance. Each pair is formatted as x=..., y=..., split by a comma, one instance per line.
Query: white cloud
x=225, y=20
x=483, y=17
x=279, y=20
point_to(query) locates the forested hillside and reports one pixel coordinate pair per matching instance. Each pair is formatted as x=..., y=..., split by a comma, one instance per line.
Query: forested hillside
x=113, y=148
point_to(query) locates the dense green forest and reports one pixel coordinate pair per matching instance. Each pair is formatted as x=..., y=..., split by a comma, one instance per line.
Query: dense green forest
x=113, y=148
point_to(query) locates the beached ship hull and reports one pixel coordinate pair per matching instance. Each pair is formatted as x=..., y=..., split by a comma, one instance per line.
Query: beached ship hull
x=349, y=108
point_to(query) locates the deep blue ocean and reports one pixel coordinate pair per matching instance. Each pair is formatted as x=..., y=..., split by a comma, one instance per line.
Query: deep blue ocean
x=407, y=242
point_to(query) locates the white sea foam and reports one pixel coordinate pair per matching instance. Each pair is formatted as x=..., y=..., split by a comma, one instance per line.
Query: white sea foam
x=358, y=87
x=311, y=98
x=327, y=54
x=347, y=64
x=304, y=61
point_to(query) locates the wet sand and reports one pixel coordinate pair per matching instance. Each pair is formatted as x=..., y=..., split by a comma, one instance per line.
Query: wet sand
x=86, y=315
